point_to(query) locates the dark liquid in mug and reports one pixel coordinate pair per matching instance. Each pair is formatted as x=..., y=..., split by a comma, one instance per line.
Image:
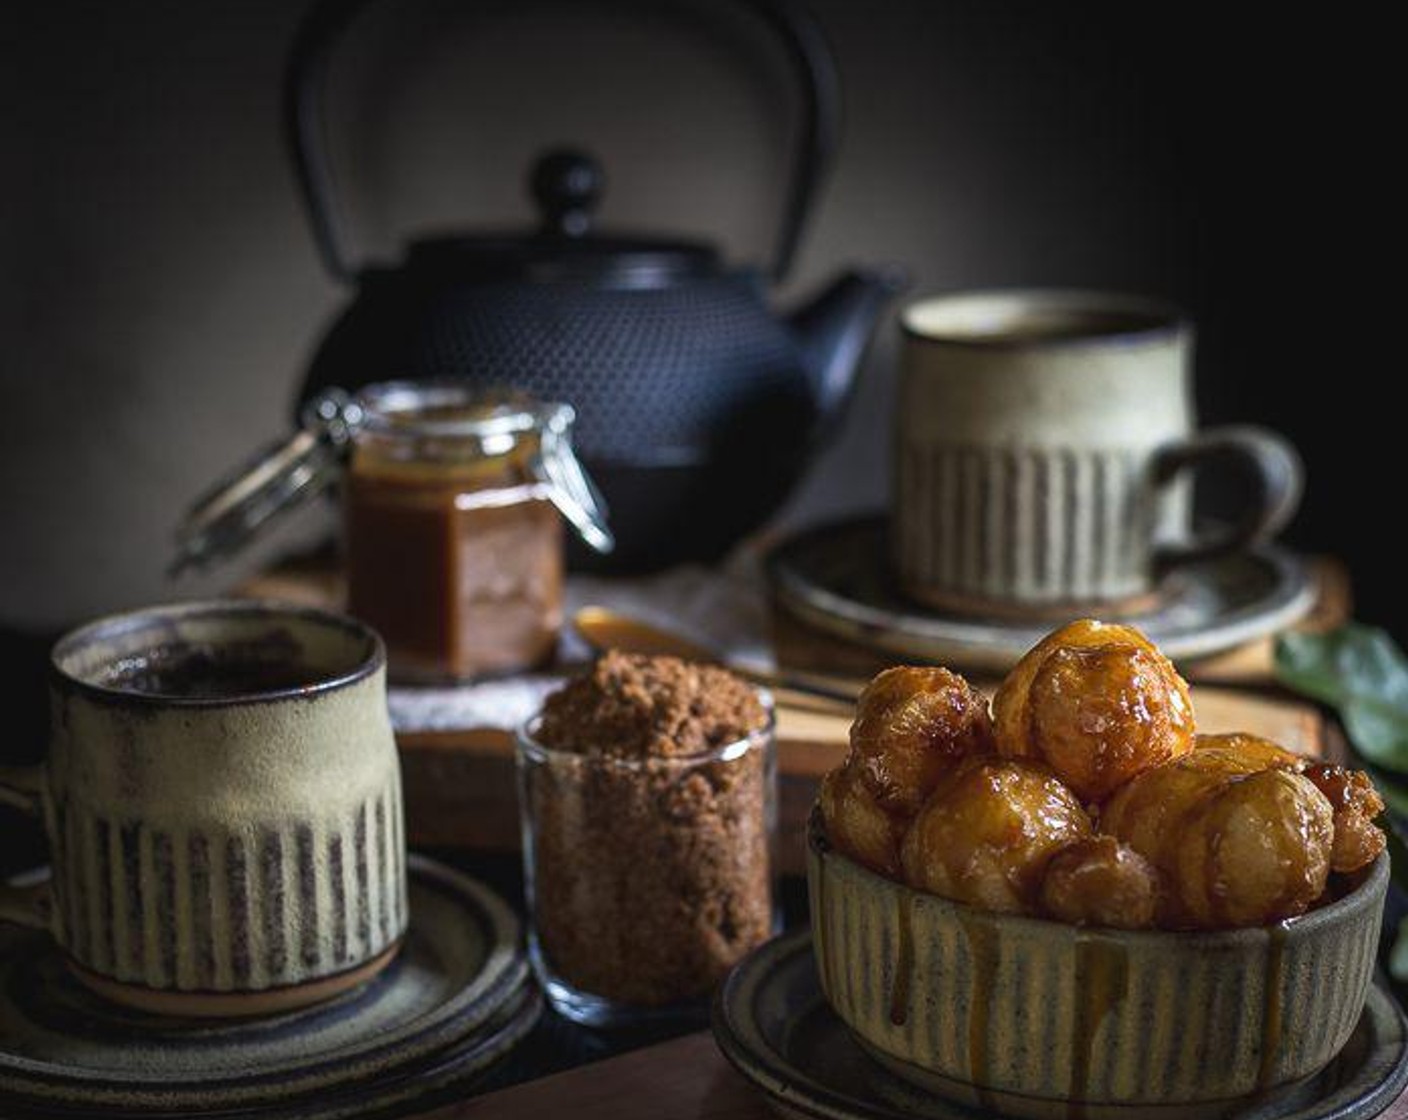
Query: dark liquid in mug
x=209, y=672
x=1058, y=326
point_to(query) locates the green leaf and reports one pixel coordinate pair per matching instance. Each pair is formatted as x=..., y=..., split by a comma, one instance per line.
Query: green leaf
x=1360, y=671
x=1379, y=734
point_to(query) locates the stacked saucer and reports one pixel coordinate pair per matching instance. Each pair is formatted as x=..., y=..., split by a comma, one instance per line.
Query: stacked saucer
x=456, y=998
x=838, y=580
x=772, y=1022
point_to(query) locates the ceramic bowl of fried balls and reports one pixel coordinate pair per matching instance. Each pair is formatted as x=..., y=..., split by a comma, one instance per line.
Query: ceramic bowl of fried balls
x=1071, y=899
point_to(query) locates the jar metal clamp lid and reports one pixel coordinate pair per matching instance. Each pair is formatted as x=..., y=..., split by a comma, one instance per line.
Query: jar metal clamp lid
x=290, y=472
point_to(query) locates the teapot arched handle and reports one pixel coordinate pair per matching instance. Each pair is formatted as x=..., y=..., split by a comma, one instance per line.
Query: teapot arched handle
x=791, y=24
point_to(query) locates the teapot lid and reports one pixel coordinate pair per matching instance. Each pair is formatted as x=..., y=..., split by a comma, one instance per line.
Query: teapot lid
x=567, y=185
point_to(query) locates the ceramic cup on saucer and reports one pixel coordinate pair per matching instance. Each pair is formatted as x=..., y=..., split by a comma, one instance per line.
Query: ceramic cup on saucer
x=222, y=800
x=1045, y=443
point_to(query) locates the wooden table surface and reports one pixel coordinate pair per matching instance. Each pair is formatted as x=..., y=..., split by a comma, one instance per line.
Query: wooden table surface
x=459, y=784
x=686, y=1079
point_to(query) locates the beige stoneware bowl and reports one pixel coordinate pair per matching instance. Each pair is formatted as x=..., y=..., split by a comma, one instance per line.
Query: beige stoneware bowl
x=1041, y=1019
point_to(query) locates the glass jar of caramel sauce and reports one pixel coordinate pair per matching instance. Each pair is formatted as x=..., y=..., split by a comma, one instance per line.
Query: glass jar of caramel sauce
x=453, y=511
x=454, y=528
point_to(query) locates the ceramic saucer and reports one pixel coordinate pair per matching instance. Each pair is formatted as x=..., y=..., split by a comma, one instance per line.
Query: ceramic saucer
x=452, y=1001
x=836, y=579
x=772, y=1022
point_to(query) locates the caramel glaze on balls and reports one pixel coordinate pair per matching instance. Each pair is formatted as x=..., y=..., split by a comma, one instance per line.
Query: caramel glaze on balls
x=1351, y=793
x=857, y=825
x=912, y=725
x=986, y=834
x=1355, y=803
x=1087, y=797
x=1236, y=846
x=1096, y=703
x=1101, y=882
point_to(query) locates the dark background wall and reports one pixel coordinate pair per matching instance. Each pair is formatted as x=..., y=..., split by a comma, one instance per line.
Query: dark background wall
x=159, y=293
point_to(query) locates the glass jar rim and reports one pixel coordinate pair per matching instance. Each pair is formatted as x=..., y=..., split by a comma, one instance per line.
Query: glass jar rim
x=408, y=418
x=293, y=470
x=528, y=746
x=408, y=408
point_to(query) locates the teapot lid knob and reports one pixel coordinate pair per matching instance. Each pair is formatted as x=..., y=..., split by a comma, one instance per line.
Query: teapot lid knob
x=567, y=184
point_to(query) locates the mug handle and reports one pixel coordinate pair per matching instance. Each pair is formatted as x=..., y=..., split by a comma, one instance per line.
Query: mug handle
x=1271, y=458
x=30, y=904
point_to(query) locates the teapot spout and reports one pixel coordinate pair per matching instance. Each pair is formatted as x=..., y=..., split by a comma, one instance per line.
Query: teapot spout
x=835, y=327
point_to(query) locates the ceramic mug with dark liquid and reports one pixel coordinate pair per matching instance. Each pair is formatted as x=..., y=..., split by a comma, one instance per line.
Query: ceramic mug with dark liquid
x=1045, y=444
x=222, y=801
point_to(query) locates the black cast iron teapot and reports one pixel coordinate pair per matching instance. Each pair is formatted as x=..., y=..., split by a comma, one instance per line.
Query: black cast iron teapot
x=698, y=407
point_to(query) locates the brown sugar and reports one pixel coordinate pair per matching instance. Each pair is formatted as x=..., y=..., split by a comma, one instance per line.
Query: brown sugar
x=651, y=864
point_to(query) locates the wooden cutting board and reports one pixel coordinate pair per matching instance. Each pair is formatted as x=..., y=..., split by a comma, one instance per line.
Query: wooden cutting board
x=459, y=785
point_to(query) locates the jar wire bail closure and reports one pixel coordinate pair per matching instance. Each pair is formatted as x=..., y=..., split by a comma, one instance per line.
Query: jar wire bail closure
x=290, y=472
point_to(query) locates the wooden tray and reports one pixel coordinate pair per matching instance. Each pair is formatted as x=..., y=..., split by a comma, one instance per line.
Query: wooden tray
x=459, y=785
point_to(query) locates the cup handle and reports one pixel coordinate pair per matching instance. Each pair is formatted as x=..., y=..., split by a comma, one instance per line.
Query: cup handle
x=1273, y=461
x=30, y=903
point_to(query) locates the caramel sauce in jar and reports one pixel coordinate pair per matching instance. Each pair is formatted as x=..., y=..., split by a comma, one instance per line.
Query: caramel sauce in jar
x=454, y=540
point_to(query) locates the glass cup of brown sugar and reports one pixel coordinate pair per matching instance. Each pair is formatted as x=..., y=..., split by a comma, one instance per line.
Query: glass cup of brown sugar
x=648, y=802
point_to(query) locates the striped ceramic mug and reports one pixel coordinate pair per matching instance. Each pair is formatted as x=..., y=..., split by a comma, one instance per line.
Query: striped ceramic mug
x=222, y=799
x=1042, y=441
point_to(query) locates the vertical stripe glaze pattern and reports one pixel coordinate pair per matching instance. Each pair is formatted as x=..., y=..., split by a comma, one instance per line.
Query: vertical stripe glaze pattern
x=1025, y=525
x=193, y=910
x=216, y=844
x=1039, y=1012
